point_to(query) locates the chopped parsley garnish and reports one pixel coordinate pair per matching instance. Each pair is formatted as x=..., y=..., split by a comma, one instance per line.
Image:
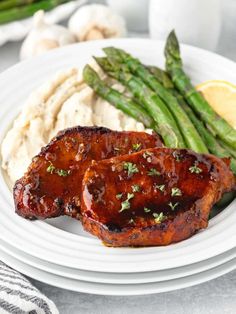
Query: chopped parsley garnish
x=130, y=167
x=119, y=196
x=51, y=168
x=153, y=172
x=177, y=156
x=176, y=192
x=147, y=210
x=135, y=188
x=126, y=204
x=195, y=169
x=159, y=218
x=61, y=172
x=160, y=187
x=129, y=196
x=136, y=147
x=173, y=206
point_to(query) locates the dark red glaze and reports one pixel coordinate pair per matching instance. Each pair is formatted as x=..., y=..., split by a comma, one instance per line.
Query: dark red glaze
x=42, y=193
x=104, y=181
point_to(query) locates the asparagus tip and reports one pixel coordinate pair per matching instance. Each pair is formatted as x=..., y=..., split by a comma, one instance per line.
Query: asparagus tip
x=104, y=63
x=108, y=50
x=114, y=53
x=89, y=74
x=172, y=49
x=97, y=59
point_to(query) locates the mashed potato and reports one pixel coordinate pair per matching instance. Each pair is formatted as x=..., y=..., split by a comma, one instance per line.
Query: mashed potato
x=61, y=102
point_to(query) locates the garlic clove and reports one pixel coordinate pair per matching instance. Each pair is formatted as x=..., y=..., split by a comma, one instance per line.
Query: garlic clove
x=94, y=33
x=44, y=45
x=44, y=37
x=38, y=19
x=96, y=21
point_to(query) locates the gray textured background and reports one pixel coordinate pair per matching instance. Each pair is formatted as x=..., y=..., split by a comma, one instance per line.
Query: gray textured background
x=214, y=297
x=217, y=296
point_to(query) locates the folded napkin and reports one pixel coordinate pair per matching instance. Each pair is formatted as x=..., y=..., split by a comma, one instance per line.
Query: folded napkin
x=18, y=296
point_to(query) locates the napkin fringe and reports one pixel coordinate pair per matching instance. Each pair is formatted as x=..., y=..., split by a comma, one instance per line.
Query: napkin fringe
x=18, y=295
x=10, y=308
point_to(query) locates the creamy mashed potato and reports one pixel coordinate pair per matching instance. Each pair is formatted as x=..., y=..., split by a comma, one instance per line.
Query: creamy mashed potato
x=61, y=102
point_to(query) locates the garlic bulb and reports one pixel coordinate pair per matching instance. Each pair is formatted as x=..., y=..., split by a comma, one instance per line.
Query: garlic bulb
x=96, y=21
x=44, y=37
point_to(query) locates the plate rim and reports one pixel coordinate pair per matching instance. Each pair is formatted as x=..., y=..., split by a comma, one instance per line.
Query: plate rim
x=153, y=276
x=106, y=289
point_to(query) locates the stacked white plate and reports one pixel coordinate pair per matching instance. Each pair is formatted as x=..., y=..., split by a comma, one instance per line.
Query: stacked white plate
x=58, y=251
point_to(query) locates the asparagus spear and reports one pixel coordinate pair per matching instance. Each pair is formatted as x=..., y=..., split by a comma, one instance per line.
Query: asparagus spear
x=117, y=99
x=192, y=138
x=24, y=11
x=157, y=109
x=162, y=77
x=7, y=4
x=213, y=145
x=231, y=151
x=195, y=99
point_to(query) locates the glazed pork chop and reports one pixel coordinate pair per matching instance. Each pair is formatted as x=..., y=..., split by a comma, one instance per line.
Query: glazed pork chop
x=154, y=197
x=52, y=185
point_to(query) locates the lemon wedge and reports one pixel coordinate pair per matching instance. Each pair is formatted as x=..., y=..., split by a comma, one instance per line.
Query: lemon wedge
x=221, y=95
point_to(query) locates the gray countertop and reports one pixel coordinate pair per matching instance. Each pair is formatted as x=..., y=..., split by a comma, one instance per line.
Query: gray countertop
x=217, y=296
x=214, y=297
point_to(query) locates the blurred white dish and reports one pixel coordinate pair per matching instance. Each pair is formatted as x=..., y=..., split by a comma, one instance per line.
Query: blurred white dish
x=196, y=22
x=17, y=30
x=135, y=13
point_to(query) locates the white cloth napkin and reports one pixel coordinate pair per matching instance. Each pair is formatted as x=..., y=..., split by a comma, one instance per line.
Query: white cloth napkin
x=19, y=296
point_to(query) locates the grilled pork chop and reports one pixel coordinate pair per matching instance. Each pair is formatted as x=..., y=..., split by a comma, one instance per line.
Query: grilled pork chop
x=52, y=185
x=154, y=197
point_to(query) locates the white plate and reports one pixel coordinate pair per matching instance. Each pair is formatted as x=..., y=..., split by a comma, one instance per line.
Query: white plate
x=17, y=30
x=110, y=289
x=118, y=278
x=65, y=243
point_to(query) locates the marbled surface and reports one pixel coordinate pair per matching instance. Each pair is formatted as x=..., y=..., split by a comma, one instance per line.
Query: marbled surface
x=217, y=296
